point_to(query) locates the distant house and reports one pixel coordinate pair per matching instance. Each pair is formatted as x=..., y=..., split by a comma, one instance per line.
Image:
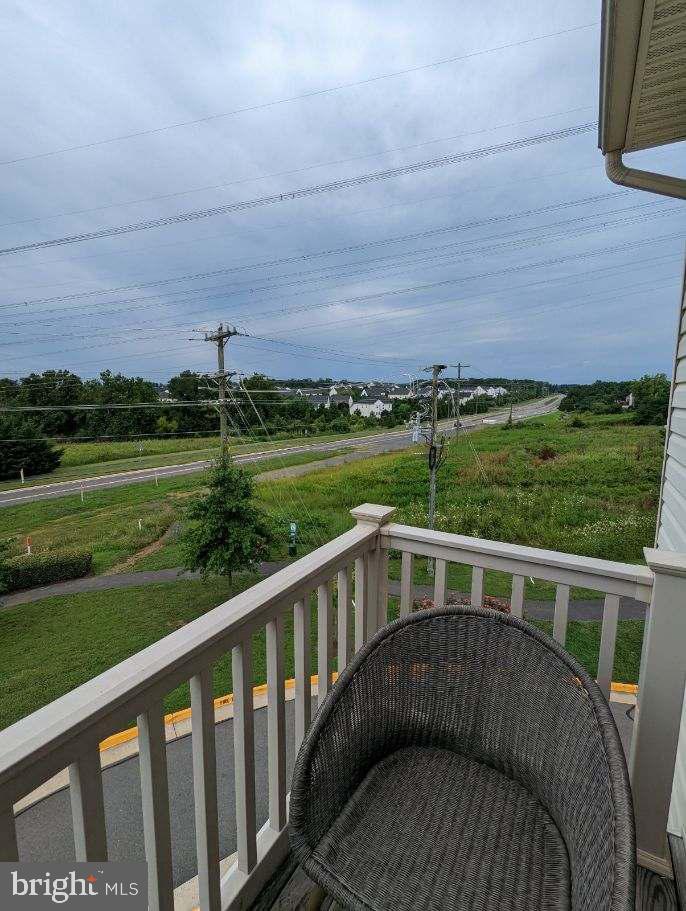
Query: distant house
x=401, y=392
x=318, y=400
x=374, y=391
x=337, y=400
x=371, y=408
x=496, y=391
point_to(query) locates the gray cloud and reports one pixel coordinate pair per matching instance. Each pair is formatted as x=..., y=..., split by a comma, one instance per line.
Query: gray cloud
x=78, y=73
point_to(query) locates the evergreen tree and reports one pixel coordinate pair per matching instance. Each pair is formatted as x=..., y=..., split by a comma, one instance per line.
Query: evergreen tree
x=21, y=446
x=227, y=532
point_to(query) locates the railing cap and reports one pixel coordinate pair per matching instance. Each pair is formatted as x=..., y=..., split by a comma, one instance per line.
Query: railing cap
x=665, y=561
x=372, y=513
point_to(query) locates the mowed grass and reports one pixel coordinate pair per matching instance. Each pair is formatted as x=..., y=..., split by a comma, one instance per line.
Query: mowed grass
x=107, y=522
x=52, y=646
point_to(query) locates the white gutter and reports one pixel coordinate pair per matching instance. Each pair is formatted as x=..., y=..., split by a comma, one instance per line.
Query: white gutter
x=625, y=176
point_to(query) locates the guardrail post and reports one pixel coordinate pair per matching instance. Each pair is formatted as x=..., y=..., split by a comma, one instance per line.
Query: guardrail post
x=372, y=514
x=658, y=713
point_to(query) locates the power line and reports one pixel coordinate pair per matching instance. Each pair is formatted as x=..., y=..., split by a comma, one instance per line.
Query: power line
x=324, y=164
x=335, y=251
x=304, y=192
x=296, y=278
x=305, y=95
x=429, y=286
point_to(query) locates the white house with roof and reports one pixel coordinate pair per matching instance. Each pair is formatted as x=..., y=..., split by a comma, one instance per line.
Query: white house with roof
x=371, y=407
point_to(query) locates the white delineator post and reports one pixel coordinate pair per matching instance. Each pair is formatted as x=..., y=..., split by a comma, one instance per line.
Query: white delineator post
x=372, y=514
x=660, y=695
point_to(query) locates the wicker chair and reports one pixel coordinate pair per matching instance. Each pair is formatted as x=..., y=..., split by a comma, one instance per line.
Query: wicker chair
x=463, y=760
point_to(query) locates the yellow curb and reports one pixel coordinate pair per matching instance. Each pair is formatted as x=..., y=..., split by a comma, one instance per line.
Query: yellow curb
x=624, y=688
x=183, y=714
x=260, y=690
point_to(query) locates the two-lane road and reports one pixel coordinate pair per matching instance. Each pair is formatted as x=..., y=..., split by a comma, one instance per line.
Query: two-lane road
x=385, y=441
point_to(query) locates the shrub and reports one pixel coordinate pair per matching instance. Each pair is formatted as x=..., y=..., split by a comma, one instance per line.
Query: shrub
x=27, y=571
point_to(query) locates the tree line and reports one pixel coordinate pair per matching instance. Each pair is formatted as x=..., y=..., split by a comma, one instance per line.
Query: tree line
x=647, y=398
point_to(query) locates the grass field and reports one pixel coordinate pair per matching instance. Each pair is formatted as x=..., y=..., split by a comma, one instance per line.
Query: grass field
x=87, y=460
x=107, y=521
x=590, y=490
x=52, y=646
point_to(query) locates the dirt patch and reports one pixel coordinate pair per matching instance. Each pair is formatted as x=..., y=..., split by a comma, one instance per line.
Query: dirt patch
x=144, y=552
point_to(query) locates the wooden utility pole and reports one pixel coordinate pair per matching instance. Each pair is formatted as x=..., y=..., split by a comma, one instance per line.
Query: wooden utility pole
x=435, y=444
x=459, y=388
x=220, y=338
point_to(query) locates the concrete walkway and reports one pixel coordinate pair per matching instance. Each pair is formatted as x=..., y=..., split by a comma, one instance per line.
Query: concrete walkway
x=590, y=609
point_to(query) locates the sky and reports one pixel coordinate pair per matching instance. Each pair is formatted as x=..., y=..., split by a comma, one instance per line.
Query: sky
x=519, y=261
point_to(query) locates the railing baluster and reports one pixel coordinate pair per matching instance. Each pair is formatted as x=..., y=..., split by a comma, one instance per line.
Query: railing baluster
x=155, y=803
x=205, y=790
x=406, y=568
x=477, y=594
x=323, y=641
x=517, y=597
x=87, y=806
x=608, y=635
x=244, y=755
x=371, y=592
x=439, y=583
x=276, y=724
x=344, y=600
x=8, y=834
x=560, y=617
x=360, y=601
x=303, y=685
x=383, y=589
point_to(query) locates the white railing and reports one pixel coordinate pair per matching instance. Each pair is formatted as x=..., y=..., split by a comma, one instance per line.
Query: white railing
x=613, y=580
x=67, y=733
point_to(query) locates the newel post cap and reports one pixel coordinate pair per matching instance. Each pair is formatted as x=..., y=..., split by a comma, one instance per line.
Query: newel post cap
x=373, y=514
x=665, y=561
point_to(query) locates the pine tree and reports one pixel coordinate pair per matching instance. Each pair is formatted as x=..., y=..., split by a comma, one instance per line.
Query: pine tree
x=21, y=446
x=227, y=532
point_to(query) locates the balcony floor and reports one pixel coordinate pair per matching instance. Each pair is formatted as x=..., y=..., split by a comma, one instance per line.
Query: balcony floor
x=291, y=890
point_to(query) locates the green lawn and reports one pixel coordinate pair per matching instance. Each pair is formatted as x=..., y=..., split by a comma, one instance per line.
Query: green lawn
x=52, y=646
x=107, y=521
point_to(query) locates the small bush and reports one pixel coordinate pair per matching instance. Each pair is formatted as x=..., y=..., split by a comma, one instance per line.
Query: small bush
x=27, y=571
x=577, y=422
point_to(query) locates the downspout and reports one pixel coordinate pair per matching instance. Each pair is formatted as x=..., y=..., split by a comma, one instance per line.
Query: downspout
x=625, y=176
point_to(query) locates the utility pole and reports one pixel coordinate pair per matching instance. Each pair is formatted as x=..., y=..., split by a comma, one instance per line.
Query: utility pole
x=435, y=444
x=459, y=387
x=220, y=338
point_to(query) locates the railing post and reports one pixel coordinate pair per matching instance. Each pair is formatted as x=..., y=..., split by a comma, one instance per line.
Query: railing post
x=372, y=514
x=658, y=713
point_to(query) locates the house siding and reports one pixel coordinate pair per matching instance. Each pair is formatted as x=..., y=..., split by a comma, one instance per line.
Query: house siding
x=671, y=530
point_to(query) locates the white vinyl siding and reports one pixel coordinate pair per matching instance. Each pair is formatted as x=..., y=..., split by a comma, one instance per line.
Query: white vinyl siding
x=671, y=534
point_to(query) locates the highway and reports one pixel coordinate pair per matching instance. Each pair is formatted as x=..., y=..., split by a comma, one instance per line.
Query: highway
x=386, y=441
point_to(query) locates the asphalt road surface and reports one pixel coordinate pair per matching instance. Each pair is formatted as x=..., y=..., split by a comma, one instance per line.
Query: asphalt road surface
x=386, y=441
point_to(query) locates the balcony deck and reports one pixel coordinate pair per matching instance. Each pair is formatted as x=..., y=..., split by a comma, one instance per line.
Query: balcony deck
x=290, y=889
x=333, y=600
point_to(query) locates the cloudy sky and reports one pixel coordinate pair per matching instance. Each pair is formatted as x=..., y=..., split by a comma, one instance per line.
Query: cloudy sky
x=520, y=261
